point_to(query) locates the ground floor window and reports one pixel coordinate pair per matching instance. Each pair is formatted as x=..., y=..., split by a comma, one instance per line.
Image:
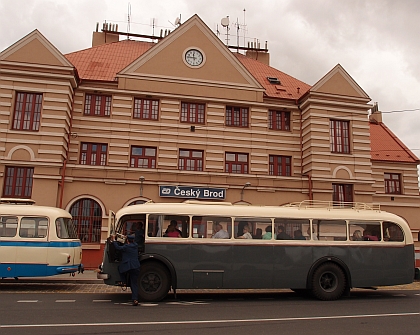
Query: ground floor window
x=87, y=217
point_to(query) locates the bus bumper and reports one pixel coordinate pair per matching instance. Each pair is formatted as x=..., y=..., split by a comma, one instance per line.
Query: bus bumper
x=69, y=269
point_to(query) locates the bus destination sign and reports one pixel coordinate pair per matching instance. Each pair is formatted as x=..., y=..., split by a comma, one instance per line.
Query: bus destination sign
x=192, y=192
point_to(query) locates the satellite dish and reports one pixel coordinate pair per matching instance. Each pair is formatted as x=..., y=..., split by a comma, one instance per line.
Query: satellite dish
x=225, y=21
x=177, y=21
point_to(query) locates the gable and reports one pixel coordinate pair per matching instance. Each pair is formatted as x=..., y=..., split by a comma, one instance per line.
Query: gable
x=166, y=59
x=339, y=82
x=34, y=48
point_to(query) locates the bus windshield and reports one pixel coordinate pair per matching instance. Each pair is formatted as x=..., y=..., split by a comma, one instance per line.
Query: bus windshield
x=65, y=228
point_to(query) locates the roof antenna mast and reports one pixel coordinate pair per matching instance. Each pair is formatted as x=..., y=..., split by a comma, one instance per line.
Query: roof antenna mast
x=128, y=20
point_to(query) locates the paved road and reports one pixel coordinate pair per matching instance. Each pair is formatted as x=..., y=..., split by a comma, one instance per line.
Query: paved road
x=364, y=312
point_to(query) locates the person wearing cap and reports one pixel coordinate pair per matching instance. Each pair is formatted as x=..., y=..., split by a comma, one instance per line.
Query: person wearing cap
x=129, y=265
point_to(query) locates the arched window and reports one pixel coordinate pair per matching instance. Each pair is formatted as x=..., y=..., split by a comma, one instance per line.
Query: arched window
x=87, y=216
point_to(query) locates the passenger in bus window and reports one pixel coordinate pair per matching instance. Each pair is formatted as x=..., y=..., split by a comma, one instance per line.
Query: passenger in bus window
x=268, y=233
x=241, y=226
x=245, y=233
x=172, y=232
x=282, y=235
x=258, y=234
x=137, y=230
x=173, y=224
x=357, y=235
x=297, y=235
x=220, y=232
x=367, y=236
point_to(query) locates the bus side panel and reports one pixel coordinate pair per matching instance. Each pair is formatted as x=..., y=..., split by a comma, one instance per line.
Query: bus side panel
x=31, y=259
x=59, y=253
x=252, y=267
x=398, y=265
x=179, y=255
x=211, y=265
x=377, y=265
x=291, y=265
x=7, y=260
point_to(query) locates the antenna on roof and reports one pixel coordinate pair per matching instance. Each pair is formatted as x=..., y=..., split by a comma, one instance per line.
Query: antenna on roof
x=128, y=20
x=225, y=23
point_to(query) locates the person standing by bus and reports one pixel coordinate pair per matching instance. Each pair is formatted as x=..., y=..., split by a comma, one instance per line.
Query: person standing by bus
x=129, y=265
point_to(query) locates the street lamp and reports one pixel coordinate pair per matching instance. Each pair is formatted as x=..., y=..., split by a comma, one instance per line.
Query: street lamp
x=141, y=185
x=247, y=184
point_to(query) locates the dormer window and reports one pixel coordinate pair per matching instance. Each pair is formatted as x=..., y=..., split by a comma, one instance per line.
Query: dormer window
x=274, y=80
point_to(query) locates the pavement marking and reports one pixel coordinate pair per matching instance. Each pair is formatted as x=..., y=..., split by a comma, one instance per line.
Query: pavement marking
x=65, y=301
x=188, y=303
x=101, y=300
x=399, y=295
x=149, y=305
x=27, y=300
x=188, y=322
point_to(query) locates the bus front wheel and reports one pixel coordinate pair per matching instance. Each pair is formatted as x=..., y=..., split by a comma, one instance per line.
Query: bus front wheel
x=328, y=282
x=154, y=282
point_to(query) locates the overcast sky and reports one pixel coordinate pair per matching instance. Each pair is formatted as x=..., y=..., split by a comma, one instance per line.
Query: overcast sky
x=376, y=41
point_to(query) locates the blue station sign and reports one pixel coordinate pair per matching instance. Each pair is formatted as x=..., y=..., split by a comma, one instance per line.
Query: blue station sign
x=192, y=192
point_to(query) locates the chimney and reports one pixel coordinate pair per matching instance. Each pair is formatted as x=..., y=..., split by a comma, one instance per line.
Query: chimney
x=254, y=52
x=104, y=37
x=261, y=56
x=375, y=114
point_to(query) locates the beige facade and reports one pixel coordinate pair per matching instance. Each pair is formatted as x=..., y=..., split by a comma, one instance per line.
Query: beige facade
x=60, y=178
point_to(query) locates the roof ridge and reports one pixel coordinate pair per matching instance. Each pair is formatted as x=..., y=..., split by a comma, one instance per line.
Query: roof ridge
x=107, y=45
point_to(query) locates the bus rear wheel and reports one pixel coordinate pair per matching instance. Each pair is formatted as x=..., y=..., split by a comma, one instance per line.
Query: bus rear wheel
x=328, y=282
x=154, y=282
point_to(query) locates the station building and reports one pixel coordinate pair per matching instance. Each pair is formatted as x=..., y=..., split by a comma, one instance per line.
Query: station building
x=184, y=116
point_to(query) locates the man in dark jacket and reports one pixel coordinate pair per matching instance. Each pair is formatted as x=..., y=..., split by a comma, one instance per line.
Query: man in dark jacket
x=129, y=265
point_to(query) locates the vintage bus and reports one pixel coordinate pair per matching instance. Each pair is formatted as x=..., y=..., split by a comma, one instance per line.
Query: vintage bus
x=320, y=248
x=37, y=240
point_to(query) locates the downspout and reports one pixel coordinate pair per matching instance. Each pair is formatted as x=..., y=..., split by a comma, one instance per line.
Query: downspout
x=63, y=170
x=301, y=154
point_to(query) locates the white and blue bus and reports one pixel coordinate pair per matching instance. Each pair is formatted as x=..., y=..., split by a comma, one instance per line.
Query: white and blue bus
x=319, y=248
x=37, y=240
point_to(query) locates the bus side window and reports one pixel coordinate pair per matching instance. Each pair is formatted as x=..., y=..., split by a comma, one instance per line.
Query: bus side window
x=365, y=231
x=392, y=232
x=331, y=230
x=33, y=227
x=211, y=227
x=8, y=226
x=292, y=229
x=158, y=225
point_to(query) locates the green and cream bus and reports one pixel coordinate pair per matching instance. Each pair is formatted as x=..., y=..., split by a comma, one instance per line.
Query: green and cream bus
x=318, y=247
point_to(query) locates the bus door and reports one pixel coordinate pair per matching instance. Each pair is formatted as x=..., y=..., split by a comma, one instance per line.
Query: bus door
x=31, y=256
x=8, y=232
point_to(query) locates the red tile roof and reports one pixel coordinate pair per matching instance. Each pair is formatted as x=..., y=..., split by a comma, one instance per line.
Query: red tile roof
x=103, y=62
x=385, y=146
x=289, y=87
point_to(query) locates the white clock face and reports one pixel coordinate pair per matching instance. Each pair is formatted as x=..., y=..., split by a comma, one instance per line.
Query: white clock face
x=194, y=57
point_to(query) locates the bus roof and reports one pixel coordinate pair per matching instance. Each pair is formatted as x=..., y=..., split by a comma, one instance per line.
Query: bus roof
x=24, y=209
x=227, y=209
